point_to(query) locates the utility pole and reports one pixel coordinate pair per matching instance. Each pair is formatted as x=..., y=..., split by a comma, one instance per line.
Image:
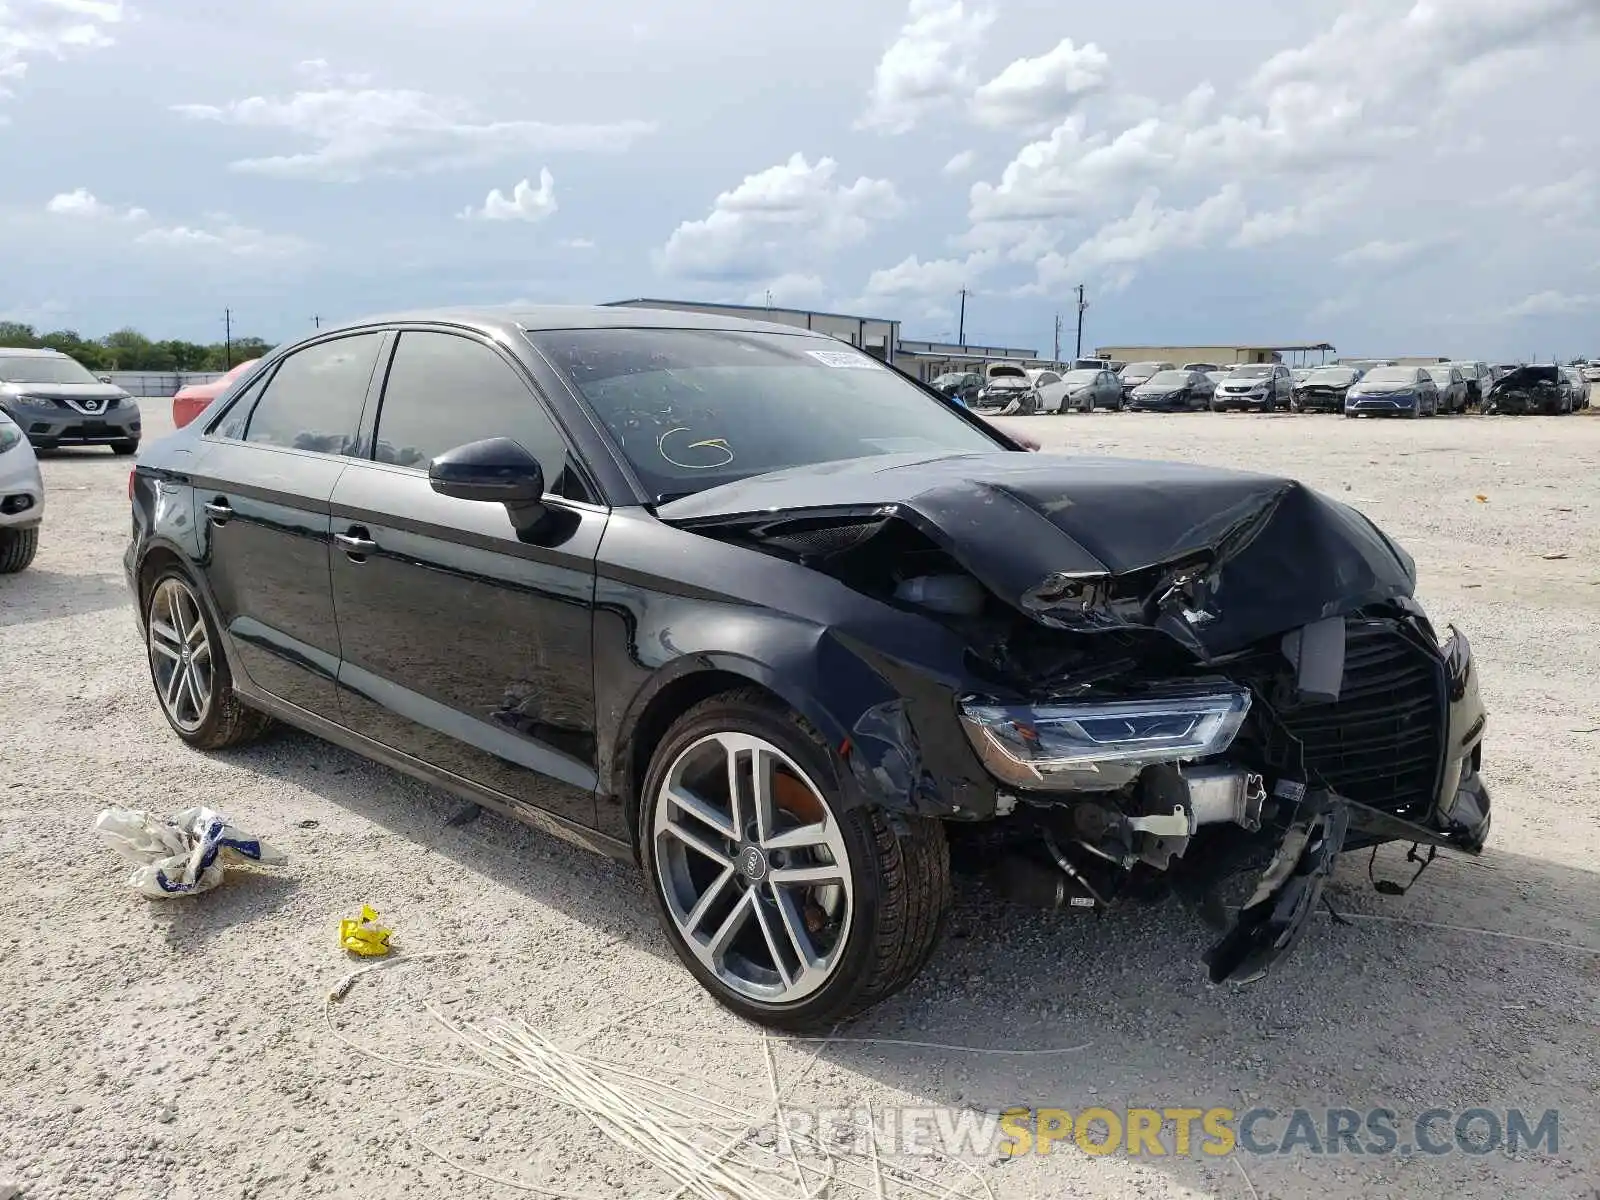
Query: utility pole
x=1057, y=359
x=316, y=321
x=961, y=330
x=1082, y=304
x=227, y=337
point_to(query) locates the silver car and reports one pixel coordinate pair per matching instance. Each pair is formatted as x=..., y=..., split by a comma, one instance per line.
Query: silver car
x=21, y=499
x=57, y=402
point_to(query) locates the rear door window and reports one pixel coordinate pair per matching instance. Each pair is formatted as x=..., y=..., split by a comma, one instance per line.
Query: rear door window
x=444, y=391
x=314, y=399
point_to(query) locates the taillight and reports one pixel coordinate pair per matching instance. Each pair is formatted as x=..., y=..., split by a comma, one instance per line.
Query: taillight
x=131, y=475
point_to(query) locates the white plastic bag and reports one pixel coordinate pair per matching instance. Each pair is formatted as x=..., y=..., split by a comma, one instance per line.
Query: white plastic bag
x=181, y=855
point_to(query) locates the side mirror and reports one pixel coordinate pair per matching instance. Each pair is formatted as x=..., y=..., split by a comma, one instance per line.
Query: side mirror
x=497, y=470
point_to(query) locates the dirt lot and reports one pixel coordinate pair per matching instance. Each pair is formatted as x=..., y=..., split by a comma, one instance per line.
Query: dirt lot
x=184, y=1049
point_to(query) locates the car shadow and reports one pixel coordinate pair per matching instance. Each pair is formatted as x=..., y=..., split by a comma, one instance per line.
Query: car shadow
x=43, y=595
x=1461, y=994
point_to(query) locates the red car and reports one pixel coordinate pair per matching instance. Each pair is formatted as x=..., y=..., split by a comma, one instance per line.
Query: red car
x=193, y=400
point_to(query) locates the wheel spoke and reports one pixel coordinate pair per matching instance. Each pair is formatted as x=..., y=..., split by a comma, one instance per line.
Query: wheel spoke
x=732, y=924
x=761, y=792
x=738, y=807
x=196, y=636
x=165, y=632
x=699, y=845
x=701, y=811
x=173, y=613
x=196, y=697
x=794, y=926
x=691, y=923
x=804, y=838
x=770, y=936
x=806, y=876
x=175, y=686
x=166, y=651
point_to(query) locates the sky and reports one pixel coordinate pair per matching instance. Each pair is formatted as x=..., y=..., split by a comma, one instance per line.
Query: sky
x=1392, y=176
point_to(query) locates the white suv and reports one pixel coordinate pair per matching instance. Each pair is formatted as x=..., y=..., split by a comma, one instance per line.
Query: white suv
x=21, y=498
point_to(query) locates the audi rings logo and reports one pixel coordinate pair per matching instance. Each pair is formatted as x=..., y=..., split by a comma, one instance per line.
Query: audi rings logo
x=753, y=863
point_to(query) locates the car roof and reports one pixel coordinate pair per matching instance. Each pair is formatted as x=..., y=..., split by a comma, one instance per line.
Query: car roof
x=27, y=352
x=516, y=319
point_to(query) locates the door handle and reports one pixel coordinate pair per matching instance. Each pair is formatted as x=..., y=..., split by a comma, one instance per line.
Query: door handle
x=355, y=544
x=219, y=511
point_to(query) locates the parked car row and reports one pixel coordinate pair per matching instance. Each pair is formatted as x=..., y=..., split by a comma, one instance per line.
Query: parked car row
x=1371, y=387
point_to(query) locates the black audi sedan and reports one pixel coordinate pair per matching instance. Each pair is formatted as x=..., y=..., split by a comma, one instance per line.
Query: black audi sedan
x=745, y=605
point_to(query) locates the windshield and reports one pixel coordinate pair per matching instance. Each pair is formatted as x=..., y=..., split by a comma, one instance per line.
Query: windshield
x=44, y=369
x=1080, y=377
x=1391, y=375
x=1169, y=379
x=1007, y=373
x=1254, y=371
x=1337, y=376
x=1439, y=374
x=950, y=381
x=1140, y=370
x=691, y=409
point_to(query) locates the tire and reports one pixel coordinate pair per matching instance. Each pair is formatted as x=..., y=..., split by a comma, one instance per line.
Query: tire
x=17, y=548
x=208, y=716
x=883, y=923
x=123, y=449
x=1351, y=414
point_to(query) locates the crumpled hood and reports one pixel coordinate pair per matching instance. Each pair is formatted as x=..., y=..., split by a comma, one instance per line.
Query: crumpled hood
x=1216, y=559
x=1527, y=379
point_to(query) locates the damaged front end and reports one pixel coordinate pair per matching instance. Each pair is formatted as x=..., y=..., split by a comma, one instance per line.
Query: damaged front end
x=1352, y=732
x=1528, y=390
x=1175, y=676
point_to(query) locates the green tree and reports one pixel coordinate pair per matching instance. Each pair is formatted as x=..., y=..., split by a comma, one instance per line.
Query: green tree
x=16, y=334
x=91, y=354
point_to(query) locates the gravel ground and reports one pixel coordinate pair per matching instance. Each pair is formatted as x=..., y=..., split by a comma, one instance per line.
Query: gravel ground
x=185, y=1048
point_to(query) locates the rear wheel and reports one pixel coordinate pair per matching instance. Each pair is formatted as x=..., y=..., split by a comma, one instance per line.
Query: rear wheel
x=789, y=908
x=17, y=548
x=189, y=670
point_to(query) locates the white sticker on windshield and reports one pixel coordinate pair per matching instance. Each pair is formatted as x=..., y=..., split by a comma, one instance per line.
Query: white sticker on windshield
x=847, y=359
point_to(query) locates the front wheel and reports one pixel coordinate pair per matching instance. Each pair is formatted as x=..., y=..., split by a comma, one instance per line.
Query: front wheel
x=123, y=449
x=17, y=548
x=189, y=670
x=789, y=908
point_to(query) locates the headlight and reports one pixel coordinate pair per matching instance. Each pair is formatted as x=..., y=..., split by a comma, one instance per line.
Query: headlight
x=1044, y=747
x=10, y=435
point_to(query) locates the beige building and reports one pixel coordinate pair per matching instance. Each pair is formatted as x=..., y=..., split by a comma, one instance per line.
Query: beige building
x=1305, y=355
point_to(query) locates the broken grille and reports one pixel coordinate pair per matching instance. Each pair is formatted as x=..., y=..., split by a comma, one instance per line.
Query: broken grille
x=1380, y=743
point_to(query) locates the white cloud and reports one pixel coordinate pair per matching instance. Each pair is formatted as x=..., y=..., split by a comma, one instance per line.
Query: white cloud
x=31, y=30
x=1115, y=251
x=1552, y=303
x=959, y=164
x=1383, y=253
x=359, y=132
x=1265, y=227
x=526, y=203
x=928, y=66
x=224, y=238
x=778, y=220
x=81, y=202
x=913, y=277
x=1564, y=202
x=576, y=243
x=1034, y=92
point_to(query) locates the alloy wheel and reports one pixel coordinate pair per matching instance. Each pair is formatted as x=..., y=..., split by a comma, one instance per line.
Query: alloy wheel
x=753, y=866
x=180, y=654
